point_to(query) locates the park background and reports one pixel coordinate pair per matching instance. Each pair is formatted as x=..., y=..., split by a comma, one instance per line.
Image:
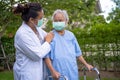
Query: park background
x=99, y=38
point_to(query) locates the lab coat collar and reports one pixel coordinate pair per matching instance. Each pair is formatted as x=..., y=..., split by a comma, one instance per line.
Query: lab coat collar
x=27, y=27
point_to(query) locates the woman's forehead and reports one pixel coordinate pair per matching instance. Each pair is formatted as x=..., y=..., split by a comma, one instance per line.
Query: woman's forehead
x=59, y=15
x=40, y=14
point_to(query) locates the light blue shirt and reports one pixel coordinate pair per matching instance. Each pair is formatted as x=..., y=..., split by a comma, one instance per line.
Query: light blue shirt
x=64, y=50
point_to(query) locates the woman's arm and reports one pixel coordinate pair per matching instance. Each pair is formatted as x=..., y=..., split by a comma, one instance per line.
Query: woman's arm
x=54, y=73
x=85, y=63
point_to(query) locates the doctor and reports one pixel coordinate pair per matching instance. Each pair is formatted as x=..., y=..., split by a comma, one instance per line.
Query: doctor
x=31, y=43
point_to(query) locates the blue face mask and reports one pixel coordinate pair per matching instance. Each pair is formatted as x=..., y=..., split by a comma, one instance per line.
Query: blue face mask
x=40, y=22
x=59, y=26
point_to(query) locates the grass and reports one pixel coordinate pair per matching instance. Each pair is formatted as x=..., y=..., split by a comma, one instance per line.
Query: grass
x=90, y=78
x=8, y=75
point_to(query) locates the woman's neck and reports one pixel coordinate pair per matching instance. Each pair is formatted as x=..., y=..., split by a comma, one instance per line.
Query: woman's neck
x=61, y=32
x=32, y=27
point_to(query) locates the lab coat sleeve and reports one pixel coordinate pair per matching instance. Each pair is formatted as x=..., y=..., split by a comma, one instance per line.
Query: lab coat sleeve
x=77, y=47
x=51, y=53
x=30, y=49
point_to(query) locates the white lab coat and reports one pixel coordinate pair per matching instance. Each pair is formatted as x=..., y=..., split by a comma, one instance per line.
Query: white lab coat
x=30, y=51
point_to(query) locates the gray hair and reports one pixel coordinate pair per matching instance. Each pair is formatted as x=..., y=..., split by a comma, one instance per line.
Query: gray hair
x=64, y=12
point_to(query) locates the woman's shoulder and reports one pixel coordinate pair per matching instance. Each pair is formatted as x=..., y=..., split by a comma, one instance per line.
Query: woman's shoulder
x=69, y=33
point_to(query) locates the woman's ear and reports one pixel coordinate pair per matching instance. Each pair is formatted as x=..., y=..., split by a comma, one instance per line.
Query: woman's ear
x=66, y=22
x=31, y=20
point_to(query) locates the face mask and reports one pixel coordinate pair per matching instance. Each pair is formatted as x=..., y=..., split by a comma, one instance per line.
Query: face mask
x=40, y=22
x=58, y=25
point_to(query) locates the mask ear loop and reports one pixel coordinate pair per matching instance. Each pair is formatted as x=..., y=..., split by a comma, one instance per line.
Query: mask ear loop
x=44, y=22
x=40, y=22
x=35, y=25
x=31, y=20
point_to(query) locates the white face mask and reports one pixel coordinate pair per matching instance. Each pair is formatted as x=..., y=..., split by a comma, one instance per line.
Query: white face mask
x=40, y=23
x=59, y=26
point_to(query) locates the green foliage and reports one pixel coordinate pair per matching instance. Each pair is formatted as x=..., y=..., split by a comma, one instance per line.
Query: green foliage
x=97, y=38
x=100, y=44
x=8, y=44
x=7, y=18
x=114, y=16
x=83, y=11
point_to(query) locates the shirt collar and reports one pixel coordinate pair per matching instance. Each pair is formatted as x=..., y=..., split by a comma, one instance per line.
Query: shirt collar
x=26, y=27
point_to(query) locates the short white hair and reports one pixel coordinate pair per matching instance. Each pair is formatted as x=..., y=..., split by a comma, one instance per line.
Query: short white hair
x=64, y=12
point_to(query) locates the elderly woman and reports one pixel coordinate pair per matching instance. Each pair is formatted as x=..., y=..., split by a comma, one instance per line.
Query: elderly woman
x=64, y=50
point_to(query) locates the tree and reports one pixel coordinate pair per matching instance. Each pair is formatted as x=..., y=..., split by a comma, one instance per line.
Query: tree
x=79, y=10
x=82, y=11
x=114, y=16
x=8, y=22
x=4, y=10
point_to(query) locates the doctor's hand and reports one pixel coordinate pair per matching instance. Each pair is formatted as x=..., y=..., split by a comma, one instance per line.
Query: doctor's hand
x=49, y=37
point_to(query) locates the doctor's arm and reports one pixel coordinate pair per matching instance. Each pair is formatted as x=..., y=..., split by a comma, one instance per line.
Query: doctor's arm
x=35, y=52
x=54, y=73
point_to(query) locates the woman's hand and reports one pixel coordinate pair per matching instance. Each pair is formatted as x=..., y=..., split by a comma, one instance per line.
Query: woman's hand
x=49, y=37
x=89, y=67
x=55, y=75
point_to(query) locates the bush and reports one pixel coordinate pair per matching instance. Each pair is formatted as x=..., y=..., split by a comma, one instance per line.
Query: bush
x=100, y=45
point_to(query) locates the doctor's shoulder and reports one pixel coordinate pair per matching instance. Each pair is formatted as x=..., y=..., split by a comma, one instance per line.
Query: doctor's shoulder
x=44, y=33
x=19, y=31
x=22, y=33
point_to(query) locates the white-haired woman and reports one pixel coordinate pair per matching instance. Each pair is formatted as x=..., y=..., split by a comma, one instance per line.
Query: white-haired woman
x=64, y=50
